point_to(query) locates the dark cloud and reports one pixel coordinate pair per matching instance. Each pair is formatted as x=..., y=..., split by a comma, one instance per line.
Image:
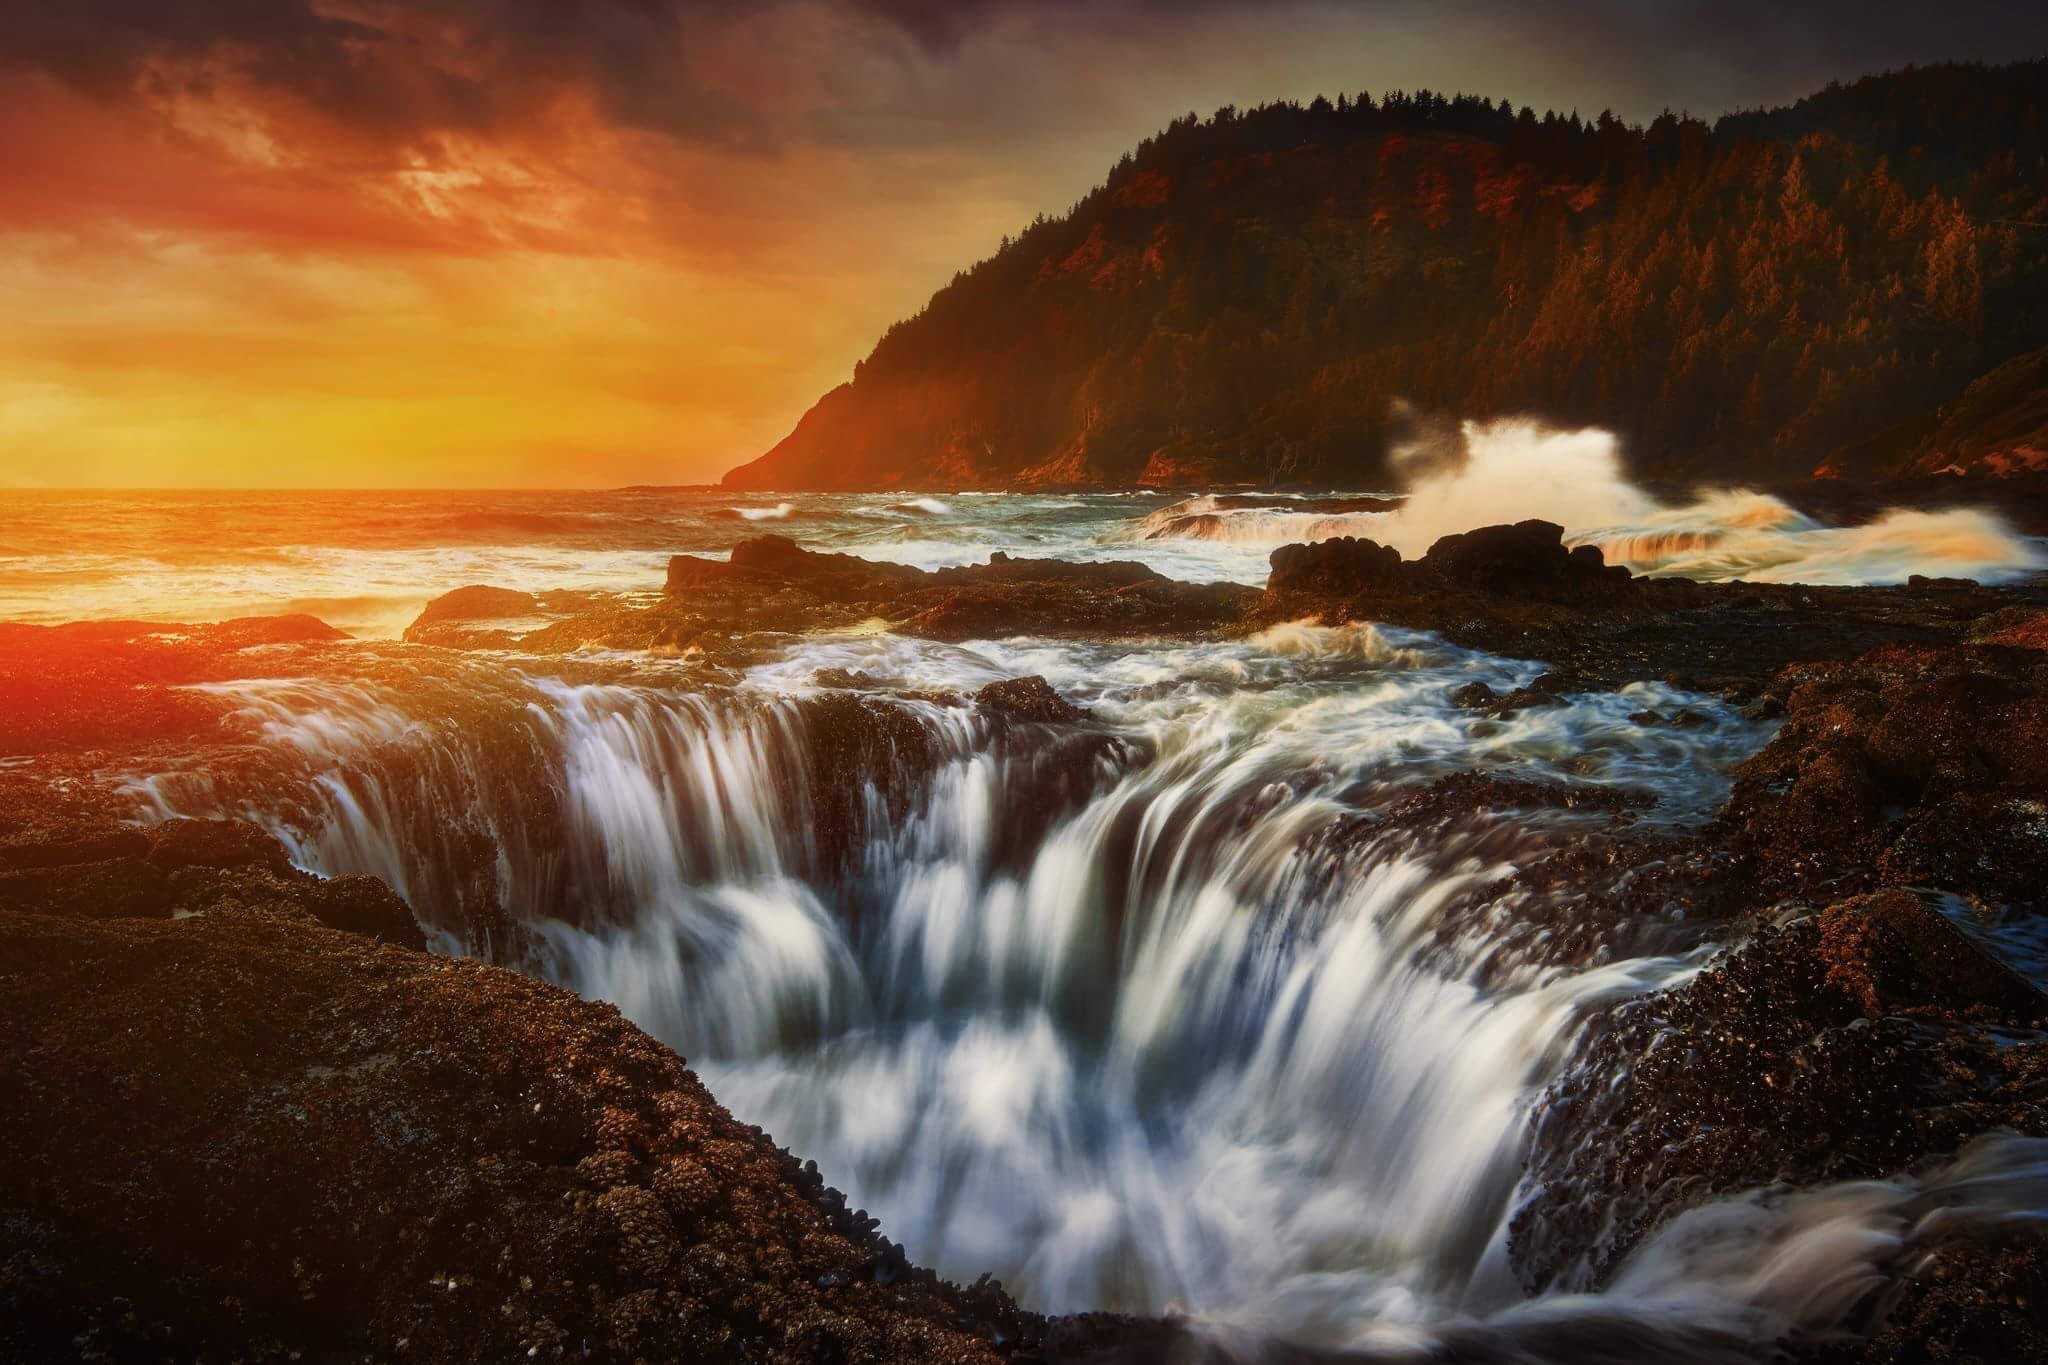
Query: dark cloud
x=402, y=69
x=1714, y=52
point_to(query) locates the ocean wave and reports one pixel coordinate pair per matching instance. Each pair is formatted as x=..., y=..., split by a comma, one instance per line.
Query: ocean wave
x=781, y=511
x=1517, y=469
x=1213, y=518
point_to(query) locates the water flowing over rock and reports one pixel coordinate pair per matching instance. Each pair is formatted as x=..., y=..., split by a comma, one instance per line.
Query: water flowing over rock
x=1141, y=943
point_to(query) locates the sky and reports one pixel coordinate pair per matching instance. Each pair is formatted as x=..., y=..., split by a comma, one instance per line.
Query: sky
x=511, y=243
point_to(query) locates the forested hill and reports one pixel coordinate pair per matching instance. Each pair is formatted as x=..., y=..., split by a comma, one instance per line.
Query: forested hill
x=1816, y=287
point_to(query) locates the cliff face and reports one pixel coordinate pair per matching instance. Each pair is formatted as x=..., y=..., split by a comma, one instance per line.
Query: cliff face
x=1245, y=297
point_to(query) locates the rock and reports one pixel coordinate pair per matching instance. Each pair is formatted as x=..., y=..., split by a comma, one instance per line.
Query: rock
x=364, y=905
x=2017, y=627
x=478, y=602
x=1474, y=696
x=113, y=888
x=1823, y=1050
x=178, y=844
x=1524, y=699
x=34, y=848
x=1908, y=766
x=693, y=571
x=1525, y=559
x=1028, y=699
x=1343, y=567
x=243, y=1136
x=1977, y=1300
x=1893, y=951
x=242, y=632
x=833, y=576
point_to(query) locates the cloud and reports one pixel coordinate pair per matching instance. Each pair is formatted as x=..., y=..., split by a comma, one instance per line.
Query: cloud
x=381, y=69
x=660, y=228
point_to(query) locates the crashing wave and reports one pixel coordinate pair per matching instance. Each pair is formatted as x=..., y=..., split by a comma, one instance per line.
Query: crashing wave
x=781, y=511
x=1517, y=469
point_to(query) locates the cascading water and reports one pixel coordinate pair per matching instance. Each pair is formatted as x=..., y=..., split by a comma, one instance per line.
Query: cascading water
x=1163, y=1009
x=1143, y=1011
x=1188, y=1004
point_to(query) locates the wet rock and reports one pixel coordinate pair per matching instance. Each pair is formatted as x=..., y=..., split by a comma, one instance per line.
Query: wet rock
x=178, y=844
x=1516, y=590
x=1343, y=567
x=1977, y=1300
x=113, y=888
x=1894, y=951
x=1028, y=699
x=478, y=603
x=1908, y=766
x=1527, y=558
x=297, y=1143
x=1849, y=1044
x=1474, y=696
x=31, y=848
x=363, y=905
x=2017, y=627
x=243, y=632
x=1524, y=699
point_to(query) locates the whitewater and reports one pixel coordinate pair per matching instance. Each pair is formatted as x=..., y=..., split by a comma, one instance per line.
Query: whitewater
x=367, y=561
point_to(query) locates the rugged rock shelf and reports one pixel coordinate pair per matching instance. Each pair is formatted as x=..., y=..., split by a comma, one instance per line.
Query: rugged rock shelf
x=246, y=1116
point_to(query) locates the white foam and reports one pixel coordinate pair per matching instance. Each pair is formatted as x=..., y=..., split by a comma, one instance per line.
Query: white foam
x=1515, y=470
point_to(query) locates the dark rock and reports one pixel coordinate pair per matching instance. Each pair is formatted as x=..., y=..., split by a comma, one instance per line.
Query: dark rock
x=1823, y=1050
x=478, y=603
x=245, y=1136
x=1342, y=567
x=115, y=888
x=40, y=849
x=1525, y=559
x=242, y=632
x=1909, y=766
x=1474, y=696
x=1524, y=699
x=1976, y=1300
x=364, y=905
x=834, y=576
x=1028, y=699
x=694, y=571
x=850, y=679
x=178, y=844
x=1892, y=951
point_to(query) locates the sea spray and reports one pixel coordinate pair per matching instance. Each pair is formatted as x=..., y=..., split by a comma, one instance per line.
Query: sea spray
x=1513, y=470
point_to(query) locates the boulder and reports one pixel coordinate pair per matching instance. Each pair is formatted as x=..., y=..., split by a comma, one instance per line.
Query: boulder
x=1527, y=558
x=478, y=602
x=1027, y=699
x=1342, y=567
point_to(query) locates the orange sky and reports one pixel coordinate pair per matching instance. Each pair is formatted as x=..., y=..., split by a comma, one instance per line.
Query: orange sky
x=591, y=242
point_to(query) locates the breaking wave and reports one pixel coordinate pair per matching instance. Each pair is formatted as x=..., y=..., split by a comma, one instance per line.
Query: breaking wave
x=781, y=511
x=1513, y=470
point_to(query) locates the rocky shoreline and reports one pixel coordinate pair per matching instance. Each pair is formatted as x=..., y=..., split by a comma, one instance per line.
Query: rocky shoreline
x=248, y=1117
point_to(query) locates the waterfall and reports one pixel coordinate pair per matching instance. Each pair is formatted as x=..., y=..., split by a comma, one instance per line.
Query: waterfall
x=1172, y=1006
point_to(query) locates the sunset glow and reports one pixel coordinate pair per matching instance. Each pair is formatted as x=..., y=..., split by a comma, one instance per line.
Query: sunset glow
x=339, y=242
